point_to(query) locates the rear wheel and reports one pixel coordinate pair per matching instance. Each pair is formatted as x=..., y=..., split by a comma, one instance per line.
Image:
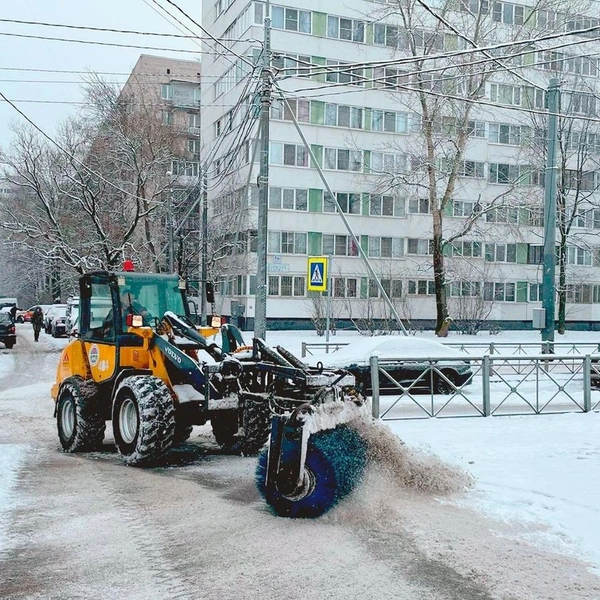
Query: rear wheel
x=445, y=385
x=9, y=345
x=143, y=419
x=247, y=437
x=79, y=417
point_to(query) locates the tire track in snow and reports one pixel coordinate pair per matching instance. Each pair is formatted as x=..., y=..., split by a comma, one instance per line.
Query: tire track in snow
x=155, y=543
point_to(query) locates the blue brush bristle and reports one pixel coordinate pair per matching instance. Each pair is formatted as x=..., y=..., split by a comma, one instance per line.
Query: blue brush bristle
x=337, y=459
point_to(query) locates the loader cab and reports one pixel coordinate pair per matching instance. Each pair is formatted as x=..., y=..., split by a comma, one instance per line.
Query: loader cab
x=106, y=299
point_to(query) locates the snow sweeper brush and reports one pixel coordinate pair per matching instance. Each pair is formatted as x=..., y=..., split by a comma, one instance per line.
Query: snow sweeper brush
x=314, y=457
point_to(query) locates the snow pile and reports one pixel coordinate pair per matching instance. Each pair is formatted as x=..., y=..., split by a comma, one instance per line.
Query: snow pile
x=410, y=468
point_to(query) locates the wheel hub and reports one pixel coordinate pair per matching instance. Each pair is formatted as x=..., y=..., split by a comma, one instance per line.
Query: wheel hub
x=67, y=418
x=128, y=421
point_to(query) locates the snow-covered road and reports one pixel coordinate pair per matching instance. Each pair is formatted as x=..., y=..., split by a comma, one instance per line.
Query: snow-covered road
x=85, y=526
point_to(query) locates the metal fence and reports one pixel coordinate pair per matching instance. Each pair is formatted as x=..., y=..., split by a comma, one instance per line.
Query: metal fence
x=483, y=347
x=498, y=385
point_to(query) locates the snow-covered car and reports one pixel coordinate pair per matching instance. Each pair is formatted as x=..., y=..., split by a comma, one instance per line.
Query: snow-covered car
x=58, y=326
x=419, y=376
x=54, y=311
x=72, y=322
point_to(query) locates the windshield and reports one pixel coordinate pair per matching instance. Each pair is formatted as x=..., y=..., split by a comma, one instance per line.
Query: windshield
x=157, y=294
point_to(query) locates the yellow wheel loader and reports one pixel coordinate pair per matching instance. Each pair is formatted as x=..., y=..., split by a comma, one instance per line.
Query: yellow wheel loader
x=140, y=362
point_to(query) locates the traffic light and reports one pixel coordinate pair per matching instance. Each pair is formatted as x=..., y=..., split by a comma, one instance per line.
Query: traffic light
x=210, y=292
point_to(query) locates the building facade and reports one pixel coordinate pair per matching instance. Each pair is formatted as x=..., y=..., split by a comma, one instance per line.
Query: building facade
x=403, y=117
x=168, y=90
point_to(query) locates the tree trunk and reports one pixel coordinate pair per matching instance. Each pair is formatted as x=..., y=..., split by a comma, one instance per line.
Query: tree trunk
x=442, y=318
x=562, y=286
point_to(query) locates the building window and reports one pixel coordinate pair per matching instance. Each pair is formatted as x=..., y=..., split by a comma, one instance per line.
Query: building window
x=339, y=245
x=578, y=256
x=166, y=91
x=499, y=292
x=465, y=248
x=288, y=199
x=419, y=247
x=535, y=255
x=287, y=242
x=349, y=203
x=418, y=206
x=288, y=154
x=291, y=19
x=421, y=287
x=387, y=77
x=509, y=14
x=386, y=206
x=337, y=72
x=343, y=160
x=383, y=162
x=501, y=253
x=337, y=115
x=345, y=29
x=386, y=247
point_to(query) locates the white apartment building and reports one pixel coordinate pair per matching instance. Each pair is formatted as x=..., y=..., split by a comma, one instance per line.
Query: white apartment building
x=365, y=129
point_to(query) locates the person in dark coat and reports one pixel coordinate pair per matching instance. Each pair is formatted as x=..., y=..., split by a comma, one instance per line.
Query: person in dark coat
x=37, y=320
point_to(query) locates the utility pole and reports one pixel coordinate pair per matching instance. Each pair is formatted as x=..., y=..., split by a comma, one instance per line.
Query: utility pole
x=548, y=281
x=170, y=223
x=204, y=255
x=260, y=303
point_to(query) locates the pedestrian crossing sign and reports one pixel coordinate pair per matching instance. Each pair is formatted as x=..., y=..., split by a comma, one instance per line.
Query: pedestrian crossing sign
x=317, y=274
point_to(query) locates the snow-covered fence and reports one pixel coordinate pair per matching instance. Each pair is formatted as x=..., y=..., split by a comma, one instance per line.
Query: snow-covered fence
x=499, y=385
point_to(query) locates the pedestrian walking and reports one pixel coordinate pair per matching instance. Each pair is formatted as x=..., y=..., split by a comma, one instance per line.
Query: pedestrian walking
x=37, y=319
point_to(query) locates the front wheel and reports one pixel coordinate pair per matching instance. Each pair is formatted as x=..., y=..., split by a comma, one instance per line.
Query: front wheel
x=143, y=419
x=79, y=417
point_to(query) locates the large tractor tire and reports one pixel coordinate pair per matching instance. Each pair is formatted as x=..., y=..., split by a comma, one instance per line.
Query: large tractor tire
x=143, y=418
x=335, y=462
x=79, y=416
x=256, y=426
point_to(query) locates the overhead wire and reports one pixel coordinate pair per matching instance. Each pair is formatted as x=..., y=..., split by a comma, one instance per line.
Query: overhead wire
x=100, y=29
x=69, y=154
x=96, y=43
x=457, y=53
x=206, y=32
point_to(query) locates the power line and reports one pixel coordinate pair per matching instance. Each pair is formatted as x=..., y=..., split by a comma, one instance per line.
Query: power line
x=93, y=43
x=67, y=153
x=103, y=29
x=206, y=32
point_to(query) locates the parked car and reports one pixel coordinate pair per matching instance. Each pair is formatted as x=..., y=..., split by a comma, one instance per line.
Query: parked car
x=8, y=332
x=53, y=311
x=356, y=356
x=72, y=322
x=24, y=316
x=58, y=326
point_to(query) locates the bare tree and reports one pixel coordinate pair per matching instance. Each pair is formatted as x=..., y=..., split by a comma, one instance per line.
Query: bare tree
x=439, y=164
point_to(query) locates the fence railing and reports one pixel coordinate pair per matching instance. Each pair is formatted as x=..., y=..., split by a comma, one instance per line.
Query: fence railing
x=497, y=385
x=484, y=347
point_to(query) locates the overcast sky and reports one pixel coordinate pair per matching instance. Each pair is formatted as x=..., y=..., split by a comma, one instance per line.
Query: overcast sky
x=40, y=95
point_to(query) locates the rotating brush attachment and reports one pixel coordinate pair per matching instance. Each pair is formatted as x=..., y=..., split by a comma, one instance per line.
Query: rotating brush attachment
x=335, y=462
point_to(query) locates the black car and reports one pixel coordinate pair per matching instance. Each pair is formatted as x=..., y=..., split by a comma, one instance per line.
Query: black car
x=421, y=365
x=8, y=333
